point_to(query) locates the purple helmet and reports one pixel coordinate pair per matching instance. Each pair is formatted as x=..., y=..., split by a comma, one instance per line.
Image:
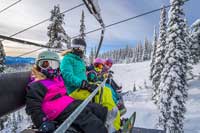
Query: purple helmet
x=109, y=60
x=108, y=63
x=98, y=61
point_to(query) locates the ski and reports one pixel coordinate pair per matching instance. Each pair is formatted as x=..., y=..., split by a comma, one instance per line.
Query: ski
x=129, y=124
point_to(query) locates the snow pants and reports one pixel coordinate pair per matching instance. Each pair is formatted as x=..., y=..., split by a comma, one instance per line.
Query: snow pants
x=91, y=119
x=107, y=101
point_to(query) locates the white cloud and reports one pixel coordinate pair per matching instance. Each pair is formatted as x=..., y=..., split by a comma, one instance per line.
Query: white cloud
x=29, y=12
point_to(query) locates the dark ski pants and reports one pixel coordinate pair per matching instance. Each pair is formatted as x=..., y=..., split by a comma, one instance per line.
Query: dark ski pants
x=91, y=119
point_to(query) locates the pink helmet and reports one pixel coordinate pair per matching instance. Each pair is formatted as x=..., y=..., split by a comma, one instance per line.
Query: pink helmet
x=98, y=61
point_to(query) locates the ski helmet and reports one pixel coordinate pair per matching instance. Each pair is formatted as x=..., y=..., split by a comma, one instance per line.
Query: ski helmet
x=48, y=55
x=98, y=64
x=48, y=63
x=78, y=43
x=98, y=61
x=108, y=63
x=109, y=60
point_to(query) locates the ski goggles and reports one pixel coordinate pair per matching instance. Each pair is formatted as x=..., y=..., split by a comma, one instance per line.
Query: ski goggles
x=45, y=64
x=80, y=48
x=100, y=66
x=108, y=64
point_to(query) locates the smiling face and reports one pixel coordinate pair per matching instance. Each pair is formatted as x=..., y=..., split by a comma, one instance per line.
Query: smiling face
x=98, y=67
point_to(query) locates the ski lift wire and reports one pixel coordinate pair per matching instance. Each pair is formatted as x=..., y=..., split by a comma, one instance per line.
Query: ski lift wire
x=29, y=52
x=10, y=6
x=43, y=21
x=125, y=20
x=122, y=21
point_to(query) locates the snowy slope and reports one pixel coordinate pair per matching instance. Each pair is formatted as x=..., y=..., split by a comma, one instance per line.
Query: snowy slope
x=140, y=101
x=127, y=74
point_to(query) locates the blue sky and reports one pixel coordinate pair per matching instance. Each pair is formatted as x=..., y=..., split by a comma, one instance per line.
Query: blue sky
x=136, y=30
x=29, y=12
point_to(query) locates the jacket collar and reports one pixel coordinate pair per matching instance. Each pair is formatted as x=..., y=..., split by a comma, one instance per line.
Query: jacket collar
x=75, y=56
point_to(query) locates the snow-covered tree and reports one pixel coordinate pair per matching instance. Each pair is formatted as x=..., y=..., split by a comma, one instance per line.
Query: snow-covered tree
x=159, y=56
x=173, y=85
x=2, y=58
x=195, y=44
x=188, y=51
x=134, y=87
x=82, y=26
x=140, y=50
x=146, y=50
x=92, y=56
x=56, y=33
x=154, y=44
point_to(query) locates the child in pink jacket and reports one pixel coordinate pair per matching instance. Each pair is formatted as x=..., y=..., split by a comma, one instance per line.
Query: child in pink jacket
x=48, y=104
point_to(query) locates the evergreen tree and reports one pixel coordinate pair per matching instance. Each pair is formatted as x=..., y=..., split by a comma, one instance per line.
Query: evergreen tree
x=56, y=33
x=188, y=40
x=195, y=44
x=14, y=123
x=134, y=87
x=173, y=85
x=82, y=26
x=155, y=39
x=91, y=57
x=146, y=50
x=2, y=58
x=141, y=50
x=95, y=51
x=159, y=56
x=150, y=50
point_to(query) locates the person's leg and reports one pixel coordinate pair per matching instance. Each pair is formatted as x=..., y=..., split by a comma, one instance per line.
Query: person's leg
x=98, y=110
x=107, y=101
x=89, y=122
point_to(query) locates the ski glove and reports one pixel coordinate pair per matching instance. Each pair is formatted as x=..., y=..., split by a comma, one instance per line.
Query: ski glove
x=110, y=74
x=87, y=86
x=47, y=127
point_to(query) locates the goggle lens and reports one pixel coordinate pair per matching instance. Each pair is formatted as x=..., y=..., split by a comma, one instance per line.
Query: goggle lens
x=80, y=48
x=109, y=64
x=45, y=64
x=100, y=66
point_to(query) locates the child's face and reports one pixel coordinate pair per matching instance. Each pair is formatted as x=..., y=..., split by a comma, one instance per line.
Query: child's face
x=98, y=67
x=108, y=65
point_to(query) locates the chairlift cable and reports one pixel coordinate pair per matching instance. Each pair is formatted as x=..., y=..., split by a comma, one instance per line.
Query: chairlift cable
x=29, y=52
x=43, y=21
x=10, y=6
x=122, y=21
x=125, y=20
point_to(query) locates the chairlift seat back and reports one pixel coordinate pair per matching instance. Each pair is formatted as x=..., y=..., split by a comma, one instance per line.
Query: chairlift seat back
x=12, y=91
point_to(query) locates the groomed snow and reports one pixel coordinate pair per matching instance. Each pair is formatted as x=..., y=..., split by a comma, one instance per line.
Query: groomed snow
x=140, y=101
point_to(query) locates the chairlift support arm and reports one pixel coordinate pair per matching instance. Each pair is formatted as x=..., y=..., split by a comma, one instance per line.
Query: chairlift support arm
x=96, y=13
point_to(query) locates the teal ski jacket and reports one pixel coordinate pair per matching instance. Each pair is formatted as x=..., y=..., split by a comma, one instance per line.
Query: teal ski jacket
x=73, y=70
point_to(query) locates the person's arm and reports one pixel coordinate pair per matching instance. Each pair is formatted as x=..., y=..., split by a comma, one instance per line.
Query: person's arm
x=66, y=69
x=90, y=68
x=35, y=94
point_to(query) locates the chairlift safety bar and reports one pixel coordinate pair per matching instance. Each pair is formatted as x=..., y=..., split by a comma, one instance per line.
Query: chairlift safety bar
x=66, y=124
